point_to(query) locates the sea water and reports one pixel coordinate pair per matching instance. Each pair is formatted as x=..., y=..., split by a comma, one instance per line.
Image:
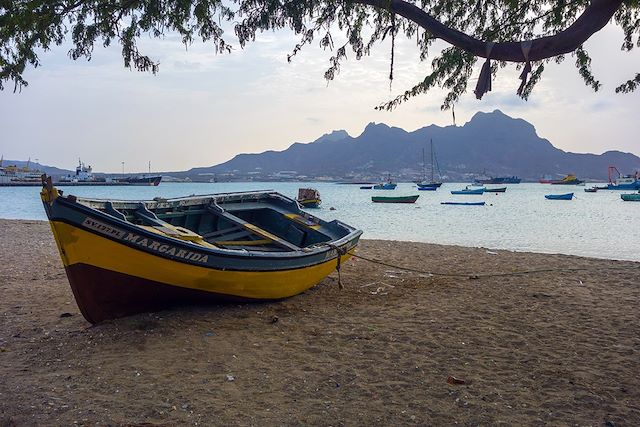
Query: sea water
x=597, y=225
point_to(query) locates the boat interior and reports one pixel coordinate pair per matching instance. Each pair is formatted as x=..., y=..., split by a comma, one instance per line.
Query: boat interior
x=258, y=221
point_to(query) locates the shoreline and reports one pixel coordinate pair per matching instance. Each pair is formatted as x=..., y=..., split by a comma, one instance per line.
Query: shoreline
x=556, y=347
x=444, y=245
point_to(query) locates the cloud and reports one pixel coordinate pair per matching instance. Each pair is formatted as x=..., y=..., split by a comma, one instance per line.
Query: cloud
x=203, y=108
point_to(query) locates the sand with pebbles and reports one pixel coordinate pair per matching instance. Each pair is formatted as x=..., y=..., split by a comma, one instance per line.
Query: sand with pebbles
x=554, y=347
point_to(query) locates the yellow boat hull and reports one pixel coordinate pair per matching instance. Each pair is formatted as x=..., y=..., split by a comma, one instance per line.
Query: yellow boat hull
x=111, y=280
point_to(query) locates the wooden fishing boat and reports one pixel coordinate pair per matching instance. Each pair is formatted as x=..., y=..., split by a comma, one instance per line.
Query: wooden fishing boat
x=480, y=190
x=366, y=187
x=591, y=190
x=463, y=203
x=495, y=190
x=630, y=197
x=567, y=196
x=126, y=257
x=309, y=197
x=398, y=199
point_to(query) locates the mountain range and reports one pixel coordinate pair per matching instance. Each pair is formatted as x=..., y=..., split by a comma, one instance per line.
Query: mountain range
x=490, y=143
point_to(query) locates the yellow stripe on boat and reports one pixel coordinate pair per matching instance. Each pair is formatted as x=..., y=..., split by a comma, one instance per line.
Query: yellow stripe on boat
x=244, y=242
x=178, y=233
x=78, y=246
x=302, y=221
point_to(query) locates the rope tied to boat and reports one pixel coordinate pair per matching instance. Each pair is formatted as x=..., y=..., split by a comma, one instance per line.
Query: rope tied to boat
x=468, y=276
x=341, y=253
x=476, y=276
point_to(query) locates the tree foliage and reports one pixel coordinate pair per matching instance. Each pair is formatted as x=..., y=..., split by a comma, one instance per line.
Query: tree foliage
x=494, y=29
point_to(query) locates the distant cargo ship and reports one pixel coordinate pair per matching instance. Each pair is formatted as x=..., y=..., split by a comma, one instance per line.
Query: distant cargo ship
x=570, y=179
x=152, y=180
x=17, y=176
x=623, y=182
x=498, y=180
x=84, y=174
x=545, y=179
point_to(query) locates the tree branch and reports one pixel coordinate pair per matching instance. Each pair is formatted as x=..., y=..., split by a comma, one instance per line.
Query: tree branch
x=593, y=19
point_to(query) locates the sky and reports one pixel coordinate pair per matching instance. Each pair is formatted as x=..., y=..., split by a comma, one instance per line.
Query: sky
x=201, y=109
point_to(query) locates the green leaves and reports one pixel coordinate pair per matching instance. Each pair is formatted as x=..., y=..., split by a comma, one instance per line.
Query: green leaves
x=30, y=26
x=583, y=63
x=629, y=85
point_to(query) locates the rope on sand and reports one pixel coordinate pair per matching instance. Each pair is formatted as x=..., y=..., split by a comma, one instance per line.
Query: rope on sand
x=485, y=275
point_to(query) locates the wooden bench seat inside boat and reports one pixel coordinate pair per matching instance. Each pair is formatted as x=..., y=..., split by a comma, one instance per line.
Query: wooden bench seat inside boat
x=252, y=228
x=299, y=219
x=238, y=234
x=159, y=226
x=298, y=229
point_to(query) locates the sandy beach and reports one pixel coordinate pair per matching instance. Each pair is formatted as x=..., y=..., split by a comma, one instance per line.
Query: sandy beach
x=558, y=347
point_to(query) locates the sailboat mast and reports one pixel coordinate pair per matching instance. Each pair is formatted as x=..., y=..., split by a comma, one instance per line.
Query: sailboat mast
x=424, y=166
x=432, y=164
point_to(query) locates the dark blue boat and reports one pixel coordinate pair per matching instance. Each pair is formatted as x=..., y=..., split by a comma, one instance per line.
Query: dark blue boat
x=567, y=196
x=385, y=186
x=499, y=180
x=463, y=203
x=427, y=187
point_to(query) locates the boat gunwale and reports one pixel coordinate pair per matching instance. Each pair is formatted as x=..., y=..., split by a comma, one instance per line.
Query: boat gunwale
x=309, y=251
x=200, y=198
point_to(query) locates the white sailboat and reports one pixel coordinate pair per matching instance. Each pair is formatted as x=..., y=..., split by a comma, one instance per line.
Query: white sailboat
x=431, y=184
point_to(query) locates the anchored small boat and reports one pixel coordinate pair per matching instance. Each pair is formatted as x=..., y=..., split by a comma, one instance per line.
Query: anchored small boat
x=366, y=187
x=468, y=190
x=398, y=199
x=630, y=197
x=427, y=187
x=385, y=186
x=432, y=184
x=126, y=257
x=591, y=190
x=309, y=197
x=495, y=190
x=463, y=203
x=567, y=196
